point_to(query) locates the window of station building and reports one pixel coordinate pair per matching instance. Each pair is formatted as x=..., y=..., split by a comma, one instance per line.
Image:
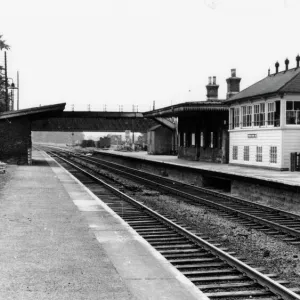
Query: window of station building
x=179, y=139
x=293, y=112
x=259, y=114
x=273, y=154
x=259, y=153
x=201, y=139
x=236, y=117
x=247, y=115
x=193, y=142
x=211, y=140
x=246, y=153
x=184, y=139
x=234, y=152
x=271, y=113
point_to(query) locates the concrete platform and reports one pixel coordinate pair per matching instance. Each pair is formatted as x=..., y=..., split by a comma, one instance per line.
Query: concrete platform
x=283, y=177
x=59, y=241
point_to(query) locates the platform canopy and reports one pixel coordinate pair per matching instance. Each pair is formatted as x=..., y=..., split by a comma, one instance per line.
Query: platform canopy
x=35, y=113
x=187, y=108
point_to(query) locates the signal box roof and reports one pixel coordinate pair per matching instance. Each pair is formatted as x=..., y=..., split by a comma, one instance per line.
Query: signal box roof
x=277, y=83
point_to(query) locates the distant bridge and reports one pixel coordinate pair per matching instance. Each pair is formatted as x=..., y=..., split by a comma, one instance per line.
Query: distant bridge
x=78, y=121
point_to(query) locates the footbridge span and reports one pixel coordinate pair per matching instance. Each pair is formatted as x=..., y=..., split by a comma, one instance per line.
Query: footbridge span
x=77, y=121
x=16, y=126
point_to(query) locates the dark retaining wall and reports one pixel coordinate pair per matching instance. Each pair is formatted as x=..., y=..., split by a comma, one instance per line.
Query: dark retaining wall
x=251, y=189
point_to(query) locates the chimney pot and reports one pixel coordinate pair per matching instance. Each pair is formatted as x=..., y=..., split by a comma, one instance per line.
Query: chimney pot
x=298, y=60
x=286, y=64
x=233, y=84
x=212, y=89
x=277, y=66
x=269, y=72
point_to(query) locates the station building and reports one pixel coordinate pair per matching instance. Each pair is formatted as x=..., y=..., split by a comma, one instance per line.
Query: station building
x=160, y=140
x=264, y=120
x=202, y=126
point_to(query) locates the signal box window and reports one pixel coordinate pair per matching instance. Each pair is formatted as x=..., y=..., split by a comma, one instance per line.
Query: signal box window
x=273, y=154
x=246, y=153
x=259, y=154
x=247, y=116
x=259, y=114
x=293, y=112
x=271, y=113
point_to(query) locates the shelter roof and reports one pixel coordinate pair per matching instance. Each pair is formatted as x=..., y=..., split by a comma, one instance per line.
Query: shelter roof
x=281, y=82
x=35, y=112
x=195, y=106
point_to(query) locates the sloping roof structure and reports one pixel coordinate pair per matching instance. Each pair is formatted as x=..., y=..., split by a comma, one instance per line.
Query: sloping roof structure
x=195, y=106
x=281, y=82
x=35, y=112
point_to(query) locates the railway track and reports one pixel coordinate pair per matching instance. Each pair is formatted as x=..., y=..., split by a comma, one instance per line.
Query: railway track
x=212, y=269
x=274, y=222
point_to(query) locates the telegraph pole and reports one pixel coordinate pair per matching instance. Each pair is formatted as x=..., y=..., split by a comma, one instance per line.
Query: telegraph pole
x=6, y=83
x=18, y=87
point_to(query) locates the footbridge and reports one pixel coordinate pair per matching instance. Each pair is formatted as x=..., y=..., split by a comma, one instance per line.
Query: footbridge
x=16, y=126
x=77, y=121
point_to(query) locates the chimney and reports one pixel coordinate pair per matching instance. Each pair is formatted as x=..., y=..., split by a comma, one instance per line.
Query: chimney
x=233, y=84
x=298, y=60
x=277, y=67
x=286, y=64
x=212, y=89
x=269, y=72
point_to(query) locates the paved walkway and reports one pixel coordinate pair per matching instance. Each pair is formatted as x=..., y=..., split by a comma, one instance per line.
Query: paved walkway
x=58, y=241
x=285, y=177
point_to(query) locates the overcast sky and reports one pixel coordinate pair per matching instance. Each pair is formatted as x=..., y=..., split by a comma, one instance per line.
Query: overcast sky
x=131, y=52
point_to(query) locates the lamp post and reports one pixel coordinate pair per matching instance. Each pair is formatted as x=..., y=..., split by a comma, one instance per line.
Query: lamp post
x=7, y=86
x=11, y=87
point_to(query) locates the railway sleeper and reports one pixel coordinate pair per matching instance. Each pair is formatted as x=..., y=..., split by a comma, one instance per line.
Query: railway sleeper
x=166, y=239
x=159, y=235
x=227, y=270
x=180, y=247
x=192, y=266
x=171, y=243
x=245, y=293
x=244, y=283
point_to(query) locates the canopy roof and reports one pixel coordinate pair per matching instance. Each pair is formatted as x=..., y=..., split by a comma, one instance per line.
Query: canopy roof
x=182, y=108
x=35, y=112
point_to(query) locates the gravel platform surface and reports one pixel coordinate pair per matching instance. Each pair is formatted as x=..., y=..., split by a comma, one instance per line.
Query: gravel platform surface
x=46, y=248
